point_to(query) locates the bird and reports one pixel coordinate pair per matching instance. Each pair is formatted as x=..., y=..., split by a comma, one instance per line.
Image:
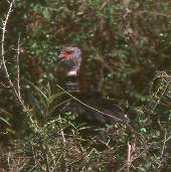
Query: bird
x=89, y=103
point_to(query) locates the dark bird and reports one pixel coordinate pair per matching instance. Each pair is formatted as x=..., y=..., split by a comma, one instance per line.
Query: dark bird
x=88, y=102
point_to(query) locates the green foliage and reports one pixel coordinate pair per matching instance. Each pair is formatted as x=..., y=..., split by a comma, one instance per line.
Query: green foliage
x=127, y=45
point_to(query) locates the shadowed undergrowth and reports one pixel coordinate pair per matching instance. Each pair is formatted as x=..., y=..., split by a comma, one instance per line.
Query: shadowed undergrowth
x=129, y=42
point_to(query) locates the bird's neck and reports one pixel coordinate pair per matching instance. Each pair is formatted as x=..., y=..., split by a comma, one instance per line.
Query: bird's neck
x=72, y=84
x=83, y=87
x=80, y=81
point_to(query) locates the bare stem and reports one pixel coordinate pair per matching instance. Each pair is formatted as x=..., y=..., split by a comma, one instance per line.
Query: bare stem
x=92, y=108
x=3, y=61
x=18, y=69
x=128, y=158
x=16, y=90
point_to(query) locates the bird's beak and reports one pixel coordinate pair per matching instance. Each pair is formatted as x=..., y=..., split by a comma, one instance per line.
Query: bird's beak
x=61, y=57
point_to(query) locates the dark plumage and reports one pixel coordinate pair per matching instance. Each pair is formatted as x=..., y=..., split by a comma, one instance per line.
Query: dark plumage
x=99, y=109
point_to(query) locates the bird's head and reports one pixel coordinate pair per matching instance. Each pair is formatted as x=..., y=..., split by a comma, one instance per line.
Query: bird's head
x=71, y=56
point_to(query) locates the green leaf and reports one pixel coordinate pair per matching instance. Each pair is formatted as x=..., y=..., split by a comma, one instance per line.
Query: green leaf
x=46, y=13
x=143, y=130
x=5, y=121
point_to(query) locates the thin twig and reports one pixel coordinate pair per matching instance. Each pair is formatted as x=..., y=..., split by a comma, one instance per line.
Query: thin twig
x=116, y=119
x=16, y=91
x=3, y=52
x=18, y=69
x=164, y=143
x=128, y=157
x=62, y=132
x=92, y=108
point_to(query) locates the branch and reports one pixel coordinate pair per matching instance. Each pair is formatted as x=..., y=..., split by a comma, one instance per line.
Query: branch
x=3, y=61
x=16, y=91
x=18, y=69
x=116, y=119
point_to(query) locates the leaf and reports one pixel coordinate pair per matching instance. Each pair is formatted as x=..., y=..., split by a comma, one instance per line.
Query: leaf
x=39, y=91
x=46, y=13
x=54, y=96
x=5, y=121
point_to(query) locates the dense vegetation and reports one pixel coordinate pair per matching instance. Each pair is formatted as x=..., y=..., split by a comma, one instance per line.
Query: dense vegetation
x=129, y=41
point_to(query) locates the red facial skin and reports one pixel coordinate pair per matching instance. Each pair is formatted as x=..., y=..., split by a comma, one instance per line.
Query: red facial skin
x=67, y=55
